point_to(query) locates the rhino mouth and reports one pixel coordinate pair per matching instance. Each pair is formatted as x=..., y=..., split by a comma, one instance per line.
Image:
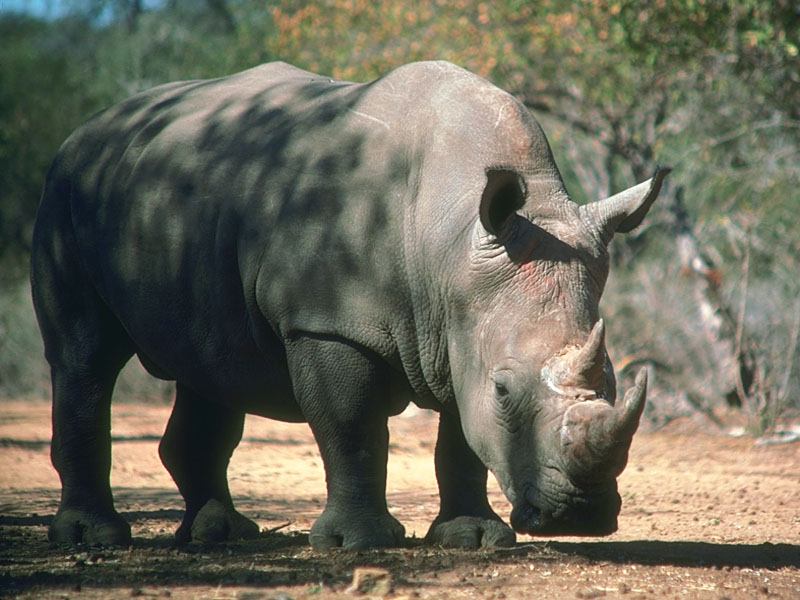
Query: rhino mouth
x=585, y=517
x=526, y=518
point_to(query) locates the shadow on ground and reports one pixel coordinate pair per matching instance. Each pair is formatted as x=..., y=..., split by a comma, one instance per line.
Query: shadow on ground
x=686, y=554
x=275, y=559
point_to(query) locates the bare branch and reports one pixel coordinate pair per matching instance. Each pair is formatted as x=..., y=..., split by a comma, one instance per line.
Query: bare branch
x=793, y=348
x=740, y=391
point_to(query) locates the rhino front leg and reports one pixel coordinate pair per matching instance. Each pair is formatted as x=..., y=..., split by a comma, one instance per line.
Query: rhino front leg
x=196, y=449
x=465, y=518
x=343, y=393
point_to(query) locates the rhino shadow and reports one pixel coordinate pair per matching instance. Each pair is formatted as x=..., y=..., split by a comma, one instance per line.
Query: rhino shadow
x=686, y=554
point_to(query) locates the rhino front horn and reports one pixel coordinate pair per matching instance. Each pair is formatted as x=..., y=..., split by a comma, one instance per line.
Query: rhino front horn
x=597, y=436
x=613, y=433
x=629, y=410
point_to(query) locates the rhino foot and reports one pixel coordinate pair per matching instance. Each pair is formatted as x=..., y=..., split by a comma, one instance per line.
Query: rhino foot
x=75, y=526
x=215, y=523
x=334, y=529
x=471, y=532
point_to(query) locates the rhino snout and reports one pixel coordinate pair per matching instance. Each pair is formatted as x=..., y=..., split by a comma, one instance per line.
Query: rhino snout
x=585, y=515
x=526, y=518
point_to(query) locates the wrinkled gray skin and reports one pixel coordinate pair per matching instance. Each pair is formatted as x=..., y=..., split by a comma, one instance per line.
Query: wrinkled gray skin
x=282, y=244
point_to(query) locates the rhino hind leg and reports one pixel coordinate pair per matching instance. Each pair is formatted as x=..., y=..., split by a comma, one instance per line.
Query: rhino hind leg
x=86, y=347
x=81, y=453
x=196, y=449
x=344, y=393
x=465, y=520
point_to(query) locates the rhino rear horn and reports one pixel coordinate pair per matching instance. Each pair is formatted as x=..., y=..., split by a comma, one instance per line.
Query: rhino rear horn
x=580, y=369
x=624, y=211
x=588, y=364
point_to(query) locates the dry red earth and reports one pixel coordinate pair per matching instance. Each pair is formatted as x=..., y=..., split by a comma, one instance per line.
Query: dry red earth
x=703, y=517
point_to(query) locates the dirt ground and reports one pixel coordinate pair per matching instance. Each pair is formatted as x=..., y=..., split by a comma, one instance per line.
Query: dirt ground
x=703, y=517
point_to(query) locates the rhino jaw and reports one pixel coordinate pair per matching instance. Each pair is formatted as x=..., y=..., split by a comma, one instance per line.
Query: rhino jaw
x=583, y=515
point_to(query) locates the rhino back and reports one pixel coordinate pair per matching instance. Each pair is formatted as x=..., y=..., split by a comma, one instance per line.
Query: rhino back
x=213, y=215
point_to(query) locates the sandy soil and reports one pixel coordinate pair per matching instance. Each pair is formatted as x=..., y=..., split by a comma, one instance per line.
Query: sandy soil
x=703, y=517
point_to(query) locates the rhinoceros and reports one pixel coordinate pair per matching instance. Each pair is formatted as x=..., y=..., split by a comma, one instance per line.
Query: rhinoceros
x=310, y=250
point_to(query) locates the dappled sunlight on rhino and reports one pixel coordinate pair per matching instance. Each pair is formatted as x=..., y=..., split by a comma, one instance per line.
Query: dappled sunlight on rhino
x=305, y=249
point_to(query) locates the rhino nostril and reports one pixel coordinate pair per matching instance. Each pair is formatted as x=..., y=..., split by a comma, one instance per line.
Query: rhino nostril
x=526, y=518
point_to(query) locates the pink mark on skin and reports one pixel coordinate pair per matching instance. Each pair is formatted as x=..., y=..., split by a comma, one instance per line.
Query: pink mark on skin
x=533, y=273
x=536, y=282
x=528, y=268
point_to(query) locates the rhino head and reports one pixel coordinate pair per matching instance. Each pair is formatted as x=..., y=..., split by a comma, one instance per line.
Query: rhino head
x=533, y=383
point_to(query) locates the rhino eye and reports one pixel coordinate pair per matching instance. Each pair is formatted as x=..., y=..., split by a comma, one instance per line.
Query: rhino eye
x=500, y=389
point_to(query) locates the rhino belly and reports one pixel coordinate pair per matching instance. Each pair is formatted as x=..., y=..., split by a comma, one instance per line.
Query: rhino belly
x=236, y=373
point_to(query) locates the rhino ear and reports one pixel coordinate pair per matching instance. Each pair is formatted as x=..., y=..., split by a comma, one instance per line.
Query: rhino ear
x=624, y=211
x=503, y=196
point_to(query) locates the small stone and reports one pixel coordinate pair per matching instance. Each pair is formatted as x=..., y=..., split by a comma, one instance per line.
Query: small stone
x=590, y=593
x=371, y=580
